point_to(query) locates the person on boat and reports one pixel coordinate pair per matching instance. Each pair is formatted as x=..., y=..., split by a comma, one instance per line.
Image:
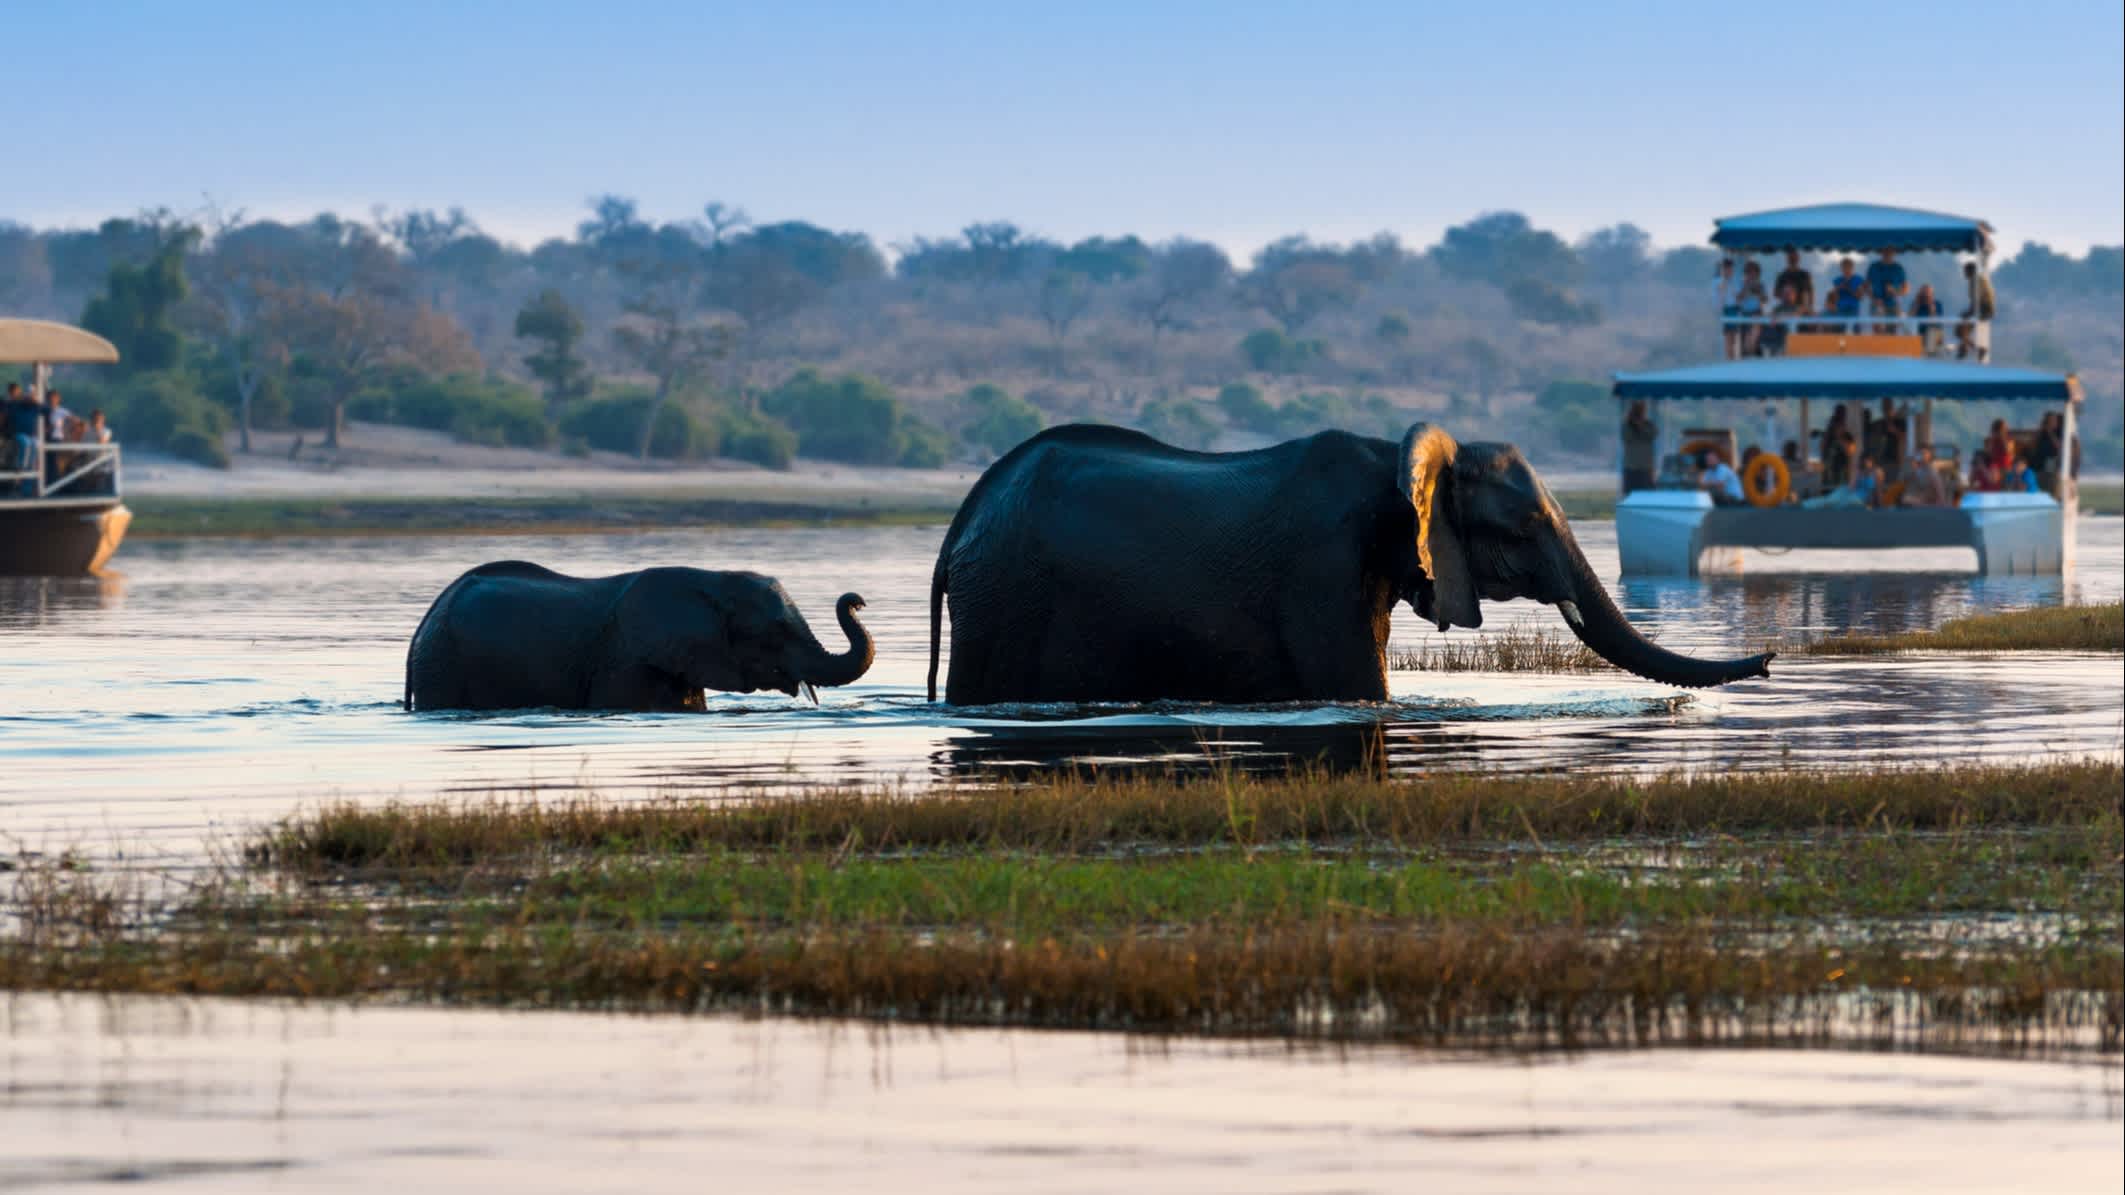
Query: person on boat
x=1984, y=475
x=1885, y=435
x=1640, y=435
x=1729, y=306
x=1785, y=314
x=1999, y=447
x=98, y=431
x=1838, y=448
x=1974, y=334
x=1796, y=469
x=2049, y=450
x=1925, y=486
x=1886, y=287
x=1848, y=293
x=1867, y=483
x=24, y=425
x=1926, y=312
x=1797, y=281
x=1721, y=481
x=61, y=426
x=1753, y=303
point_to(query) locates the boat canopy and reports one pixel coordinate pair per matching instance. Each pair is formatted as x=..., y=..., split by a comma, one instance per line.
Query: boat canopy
x=42, y=342
x=1851, y=228
x=1845, y=378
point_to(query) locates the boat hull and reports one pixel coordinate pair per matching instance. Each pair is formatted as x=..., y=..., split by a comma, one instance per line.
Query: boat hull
x=60, y=539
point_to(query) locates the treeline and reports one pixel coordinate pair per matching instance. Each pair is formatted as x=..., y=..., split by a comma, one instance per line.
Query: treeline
x=720, y=336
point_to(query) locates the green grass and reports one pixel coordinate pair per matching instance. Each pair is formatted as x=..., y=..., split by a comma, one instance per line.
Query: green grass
x=1959, y=906
x=1527, y=649
x=2046, y=628
x=156, y=517
x=2103, y=499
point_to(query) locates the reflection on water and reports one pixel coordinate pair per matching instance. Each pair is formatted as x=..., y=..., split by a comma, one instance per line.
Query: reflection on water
x=225, y=681
x=272, y=1096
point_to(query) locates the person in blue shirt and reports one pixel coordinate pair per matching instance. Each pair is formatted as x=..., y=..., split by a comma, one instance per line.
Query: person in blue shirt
x=1887, y=285
x=1721, y=481
x=1848, y=292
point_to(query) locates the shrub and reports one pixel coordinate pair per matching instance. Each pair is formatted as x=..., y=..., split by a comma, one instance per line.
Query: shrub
x=998, y=422
x=162, y=410
x=475, y=410
x=1270, y=351
x=749, y=436
x=1579, y=414
x=854, y=419
x=1177, y=421
x=1541, y=303
x=922, y=445
x=1245, y=407
x=614, y=423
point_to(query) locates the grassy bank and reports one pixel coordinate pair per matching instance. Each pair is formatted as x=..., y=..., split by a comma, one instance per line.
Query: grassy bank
x=156, y=517
x=2047, y=628
x=2103, y=499
x=1967, y=905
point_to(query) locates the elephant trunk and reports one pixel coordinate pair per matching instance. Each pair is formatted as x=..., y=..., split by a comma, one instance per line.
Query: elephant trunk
x=829, y=669
x=1593, y=617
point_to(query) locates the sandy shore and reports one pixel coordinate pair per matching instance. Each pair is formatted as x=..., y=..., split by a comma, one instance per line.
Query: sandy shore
x=385, y=462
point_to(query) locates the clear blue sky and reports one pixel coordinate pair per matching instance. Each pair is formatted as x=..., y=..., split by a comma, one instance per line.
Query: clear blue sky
x=1236, y=121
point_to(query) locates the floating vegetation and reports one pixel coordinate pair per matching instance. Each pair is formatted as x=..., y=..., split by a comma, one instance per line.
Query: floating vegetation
x=1519, y=649
x=2046, y=628
x=1964, y=906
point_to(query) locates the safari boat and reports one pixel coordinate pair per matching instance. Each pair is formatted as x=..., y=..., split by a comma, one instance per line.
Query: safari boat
x=61, y=512
x=1791, y=499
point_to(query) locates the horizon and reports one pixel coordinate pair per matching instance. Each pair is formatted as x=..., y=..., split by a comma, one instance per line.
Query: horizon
x=1231, y=124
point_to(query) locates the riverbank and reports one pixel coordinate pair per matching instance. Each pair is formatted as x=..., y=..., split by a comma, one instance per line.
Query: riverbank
x=1465, y=909
x=2045, y=628
x=164, y=517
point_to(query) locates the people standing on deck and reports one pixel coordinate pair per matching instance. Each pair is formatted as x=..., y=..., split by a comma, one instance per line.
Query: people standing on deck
x=1727, y=288
x=1751, y=302
x=1999, y=447
x=1974, y=334
x=1785, y=317
x=1885, y=435
x=1926, y=313
x=60, y=427
x=1887, y=286
x=100, y=478
x=1797, y=281
x=24, y=428
x=1640, y=435
x=2049, y=450
x=1721, y=481
x=1848, y=294
x=1839, y=447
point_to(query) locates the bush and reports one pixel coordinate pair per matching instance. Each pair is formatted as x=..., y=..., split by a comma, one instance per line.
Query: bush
x=1270, y=351
x=748, y=436
x=1177, y=421
x=854, y=419
x=1579, y=414
x=1541, y=303
x=1245, y=407
x=162, y=410
x=998, y=422
x=614, y=423
x=471, y=409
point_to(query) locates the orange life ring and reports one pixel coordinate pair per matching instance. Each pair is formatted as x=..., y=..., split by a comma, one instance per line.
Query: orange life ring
x=1767, y=481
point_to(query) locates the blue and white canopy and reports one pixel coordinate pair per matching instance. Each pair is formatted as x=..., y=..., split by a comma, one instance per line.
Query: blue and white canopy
x=1848, y=378
x=1851, y=228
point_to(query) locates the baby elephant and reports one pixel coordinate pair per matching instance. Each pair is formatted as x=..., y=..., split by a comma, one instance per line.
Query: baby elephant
x=509, y=635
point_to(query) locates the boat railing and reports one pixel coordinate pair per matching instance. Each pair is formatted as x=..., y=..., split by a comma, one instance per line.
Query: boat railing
x=82, y=471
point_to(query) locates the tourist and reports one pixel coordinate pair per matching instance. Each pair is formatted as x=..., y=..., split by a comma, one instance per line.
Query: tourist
x=1721, y=481
x=1784, y=316
x=101, y=477
x=1838, y=449
x=1926, y=313
x=1999, y=447
x=1750, y=302
x=1887, y=286
x=24, y=424
x=2049, y=450
x=1797, y=281
x=1867, y=483
x=1886, y=434
x=1848, y=295
x=1726, y=287
x=60, y=427
x=1984, y=475
x=1640, y=436
x=1922, y=482
x=1974, y=334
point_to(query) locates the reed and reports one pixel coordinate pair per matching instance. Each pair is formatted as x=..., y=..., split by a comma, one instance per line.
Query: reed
x=2045, y=628
x=1520, y=649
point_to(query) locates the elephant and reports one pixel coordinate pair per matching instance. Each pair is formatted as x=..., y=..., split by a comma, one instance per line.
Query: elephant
x=1094, y=563
x=511, y=635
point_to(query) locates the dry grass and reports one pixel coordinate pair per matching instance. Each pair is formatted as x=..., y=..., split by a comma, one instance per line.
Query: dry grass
x=1076, y=815
x=1521, y=649
x=2047, y=628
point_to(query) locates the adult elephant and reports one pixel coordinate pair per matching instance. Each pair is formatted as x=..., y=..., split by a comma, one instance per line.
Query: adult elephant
x=511, y=634
x=1095, y=563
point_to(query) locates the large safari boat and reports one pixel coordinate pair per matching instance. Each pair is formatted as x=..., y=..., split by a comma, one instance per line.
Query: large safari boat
x=1799, y=489
x=60, y=508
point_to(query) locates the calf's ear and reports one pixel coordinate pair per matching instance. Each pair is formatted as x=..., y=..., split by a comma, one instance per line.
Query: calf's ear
x=1426, y=475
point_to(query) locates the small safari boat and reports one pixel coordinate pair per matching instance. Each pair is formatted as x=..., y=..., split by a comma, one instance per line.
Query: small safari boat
x=61, y=513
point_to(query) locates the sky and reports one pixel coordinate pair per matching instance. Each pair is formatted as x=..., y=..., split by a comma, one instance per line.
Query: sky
x=1236, y=122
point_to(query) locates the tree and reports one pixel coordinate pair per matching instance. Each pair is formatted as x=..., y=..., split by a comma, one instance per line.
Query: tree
x=1617, y=256
x=1498, y=247
x=1393, y=329
x=1064, y=296
x=137, y=309
x=662, y=335
x=236, y=274
x=549, y=320
x=342, y=340
x=1183, y=275
x=997, y=421
x=1294, y=282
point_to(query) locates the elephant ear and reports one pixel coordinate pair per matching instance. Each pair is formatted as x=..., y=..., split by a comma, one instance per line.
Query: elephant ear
x=673, y=627
x=1426, y=478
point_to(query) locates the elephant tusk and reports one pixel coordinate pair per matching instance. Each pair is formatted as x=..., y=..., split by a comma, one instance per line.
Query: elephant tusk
x=811, y=692
x=1570, y=610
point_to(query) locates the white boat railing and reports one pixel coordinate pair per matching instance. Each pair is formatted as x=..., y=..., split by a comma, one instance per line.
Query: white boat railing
x=80, y=471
